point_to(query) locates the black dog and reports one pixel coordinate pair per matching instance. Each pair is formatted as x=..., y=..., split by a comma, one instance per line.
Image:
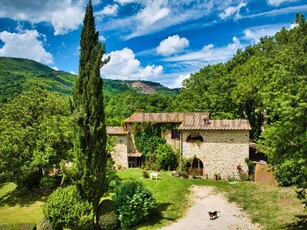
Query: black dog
x=213, y=215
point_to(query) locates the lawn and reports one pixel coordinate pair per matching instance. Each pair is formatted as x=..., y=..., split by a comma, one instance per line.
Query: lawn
x=272, y=207
x=19, y=211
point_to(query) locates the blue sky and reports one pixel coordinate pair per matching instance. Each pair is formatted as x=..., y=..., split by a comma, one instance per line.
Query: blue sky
x=157, y=40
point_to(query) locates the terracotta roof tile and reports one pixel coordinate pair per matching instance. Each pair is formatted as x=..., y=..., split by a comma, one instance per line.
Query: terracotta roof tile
x=163, y=117
x=217, y=125
x=116, y=130
x=190, y=121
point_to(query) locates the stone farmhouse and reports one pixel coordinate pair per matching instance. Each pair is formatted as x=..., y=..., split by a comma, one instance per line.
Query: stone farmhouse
x=218, y=146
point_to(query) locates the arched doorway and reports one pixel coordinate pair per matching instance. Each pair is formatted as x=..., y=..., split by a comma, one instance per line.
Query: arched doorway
x=195, y=167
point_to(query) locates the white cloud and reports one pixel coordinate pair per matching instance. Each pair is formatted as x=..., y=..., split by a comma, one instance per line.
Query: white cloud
x=102, y=38
x=108, y=10
x=255, y=33
x=63, y=15
x=293, y=25
x=122, y=2
x=179, y=80
x=171, y=45
x=232, y=11
x=209, y=54
x=154, y=11
x=156, y=15
x=55, y=68
x=278, y=2
x=281, y=11
x=72, y=72
x=123, y=65
x=25, y=45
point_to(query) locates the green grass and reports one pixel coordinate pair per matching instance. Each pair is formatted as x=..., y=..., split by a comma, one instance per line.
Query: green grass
x=272, y=207
x=19, y=211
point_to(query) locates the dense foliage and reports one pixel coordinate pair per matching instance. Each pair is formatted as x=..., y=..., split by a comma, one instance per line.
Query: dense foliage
x=123, y=105
x=88, y=115
x=134, y=203
x=65, y=208
x=35, y=135
x=107, y=215
x=147, y=138
x=166, y=157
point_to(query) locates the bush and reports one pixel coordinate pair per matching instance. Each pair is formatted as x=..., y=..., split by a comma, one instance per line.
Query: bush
x=112, y=183
x=47, y=182
x=65, y=208
x=134, y=203
x=291, y=172
x=165, y=157
x=44, y=224
x=32, y=180
x=107, y=215
x=145, y=174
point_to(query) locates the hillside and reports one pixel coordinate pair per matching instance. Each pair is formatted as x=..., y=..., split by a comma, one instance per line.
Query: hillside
x=18, y=75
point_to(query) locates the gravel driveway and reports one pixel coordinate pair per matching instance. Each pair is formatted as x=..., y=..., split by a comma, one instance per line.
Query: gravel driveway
x=204, y=199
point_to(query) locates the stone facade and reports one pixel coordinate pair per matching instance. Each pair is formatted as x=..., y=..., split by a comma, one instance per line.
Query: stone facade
x=120, y=153
x=221, y=152
x=221, y=146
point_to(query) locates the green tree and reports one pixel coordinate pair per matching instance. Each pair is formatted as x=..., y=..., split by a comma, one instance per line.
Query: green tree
x=90, y=139
x=35, y=134
x=166, y=157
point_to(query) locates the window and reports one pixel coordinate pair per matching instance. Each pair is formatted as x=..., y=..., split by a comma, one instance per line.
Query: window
x=175, y=134
x=195, y=137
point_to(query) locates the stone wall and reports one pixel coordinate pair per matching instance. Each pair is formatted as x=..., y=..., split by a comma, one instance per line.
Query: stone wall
x=221, y=151
x=175, y=143
x=119, y=155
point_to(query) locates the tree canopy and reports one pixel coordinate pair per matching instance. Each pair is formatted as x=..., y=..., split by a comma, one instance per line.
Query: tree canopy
x=35, y=134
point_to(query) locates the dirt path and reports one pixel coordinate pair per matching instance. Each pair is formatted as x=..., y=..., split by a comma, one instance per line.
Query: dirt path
x=204, y=200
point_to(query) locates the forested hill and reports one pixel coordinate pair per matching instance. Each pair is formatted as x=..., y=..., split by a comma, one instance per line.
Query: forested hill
x=18, y=75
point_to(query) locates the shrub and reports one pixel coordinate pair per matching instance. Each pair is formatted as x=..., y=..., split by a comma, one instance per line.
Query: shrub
x=112, y=183
x=291, y=172
x=145, y=174
x=165, y=156
x=47, y=182
x=65, y=208
x=134, y=203
x=32, y=180
x=44, y=224
x=107, y=215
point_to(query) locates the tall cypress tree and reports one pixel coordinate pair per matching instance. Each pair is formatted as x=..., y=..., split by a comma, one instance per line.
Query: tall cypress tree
x=88, y=114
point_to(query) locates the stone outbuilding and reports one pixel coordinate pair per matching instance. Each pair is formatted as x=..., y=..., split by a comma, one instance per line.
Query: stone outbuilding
x=218, y=147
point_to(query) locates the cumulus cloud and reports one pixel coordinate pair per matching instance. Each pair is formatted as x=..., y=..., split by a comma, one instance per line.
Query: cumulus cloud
x=55, y=68
x=108, y=10
x=26, y=44
x=232, y=11
x=278, y=2
x=210, y=54
x=179, y=80
x=123, y=65
x=255, y=33
x=171, y=45
x=63, y=15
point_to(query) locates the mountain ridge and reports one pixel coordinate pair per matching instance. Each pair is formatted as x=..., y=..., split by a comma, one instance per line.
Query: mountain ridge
x=20, y=74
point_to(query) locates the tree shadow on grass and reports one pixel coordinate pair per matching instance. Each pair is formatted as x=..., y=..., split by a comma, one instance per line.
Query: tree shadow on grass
x=301, y=223
x=156, y=216
x=21, y=198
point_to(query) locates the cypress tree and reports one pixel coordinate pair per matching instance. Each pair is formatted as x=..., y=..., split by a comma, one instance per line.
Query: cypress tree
x=88, y=114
